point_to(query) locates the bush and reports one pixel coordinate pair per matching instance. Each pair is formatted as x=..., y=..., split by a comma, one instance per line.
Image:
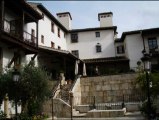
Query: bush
x=144, y=109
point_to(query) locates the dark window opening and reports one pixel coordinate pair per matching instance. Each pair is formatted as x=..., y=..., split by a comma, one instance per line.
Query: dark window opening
x=98, y=48
x=52, y=27
x=97, y=34
x=52, y=45
x=120, y=49
x=59, y=47
x=58, y=32
x=152, y=42
x=42, y=39
x=74, y=38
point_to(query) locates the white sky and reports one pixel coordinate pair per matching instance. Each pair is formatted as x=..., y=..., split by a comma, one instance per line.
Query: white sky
x=127, y=15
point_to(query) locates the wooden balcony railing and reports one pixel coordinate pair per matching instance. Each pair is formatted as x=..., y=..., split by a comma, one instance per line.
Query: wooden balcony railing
x=14, y=31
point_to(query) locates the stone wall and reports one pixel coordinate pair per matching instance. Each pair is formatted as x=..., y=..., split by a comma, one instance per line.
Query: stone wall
x=107, y=88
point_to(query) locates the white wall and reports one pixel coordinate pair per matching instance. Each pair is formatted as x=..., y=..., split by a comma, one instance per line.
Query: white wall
x=133, y=49
x=106, y=22
x=45, y=30
x=65, y=21
x=87, y=42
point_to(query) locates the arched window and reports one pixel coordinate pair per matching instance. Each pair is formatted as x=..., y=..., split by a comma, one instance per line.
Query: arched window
x=98, y=48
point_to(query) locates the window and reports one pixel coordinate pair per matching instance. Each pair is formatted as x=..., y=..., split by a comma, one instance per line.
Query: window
x=98, y=48
x=58, y=32
x=42, y=39
x=59, y=47
x=120, y=49
x=52, y=45
x=74, y=37
x=52, y=27
x=75, y=53
x=97, y=34
x=152, y=42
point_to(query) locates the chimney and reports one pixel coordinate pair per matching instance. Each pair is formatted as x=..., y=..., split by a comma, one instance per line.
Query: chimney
x=65, y=19
x=105, y=19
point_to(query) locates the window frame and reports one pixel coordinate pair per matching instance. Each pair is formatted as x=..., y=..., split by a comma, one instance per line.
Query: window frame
x=98, y=48
x=74, y=37
x=97, y=34
x=120, y=49
x=152, y=43
x=52, y=27
x=52, y=44
x=58, y=32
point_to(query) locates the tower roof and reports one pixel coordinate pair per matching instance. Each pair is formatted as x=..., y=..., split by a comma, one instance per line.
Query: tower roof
x=104, y=13
x=65, y=13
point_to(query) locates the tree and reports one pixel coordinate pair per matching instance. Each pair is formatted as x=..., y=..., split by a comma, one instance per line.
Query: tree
x=31, y=90
x=154, y=88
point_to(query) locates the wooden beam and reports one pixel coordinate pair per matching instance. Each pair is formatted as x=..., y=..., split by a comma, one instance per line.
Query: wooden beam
x=32, y=59
x=2, y=15
x=13, y=59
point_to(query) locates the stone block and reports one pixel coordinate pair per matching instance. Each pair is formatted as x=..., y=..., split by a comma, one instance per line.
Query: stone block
x=106, y=87
x=124, y=86
x=98, y=87
x=105, y=114
x=86, y=88
x=115, y=87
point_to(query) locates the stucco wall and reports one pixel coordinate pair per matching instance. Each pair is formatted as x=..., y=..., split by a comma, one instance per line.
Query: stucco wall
x=107, y=88
x=134, y=47
x=87, y=42
x=49, y=36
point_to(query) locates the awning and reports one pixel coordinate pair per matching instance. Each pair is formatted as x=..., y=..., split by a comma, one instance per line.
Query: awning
x=57, y=51
x=110, y=59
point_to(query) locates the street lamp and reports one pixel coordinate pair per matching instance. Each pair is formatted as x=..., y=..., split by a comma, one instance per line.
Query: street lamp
x=16, y=77
x=146, y=60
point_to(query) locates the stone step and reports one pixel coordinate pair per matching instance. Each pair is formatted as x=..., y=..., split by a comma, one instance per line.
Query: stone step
x=115, y=118
x=132, y=114
x=79, y=115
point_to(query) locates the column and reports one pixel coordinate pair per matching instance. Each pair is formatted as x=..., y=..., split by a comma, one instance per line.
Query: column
x=37, y=33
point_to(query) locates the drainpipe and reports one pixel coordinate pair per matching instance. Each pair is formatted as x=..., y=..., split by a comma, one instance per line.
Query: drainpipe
x=143, y=41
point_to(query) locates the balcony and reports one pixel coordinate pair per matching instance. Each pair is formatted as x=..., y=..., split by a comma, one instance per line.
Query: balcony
x=14, y=30
x=154, y=52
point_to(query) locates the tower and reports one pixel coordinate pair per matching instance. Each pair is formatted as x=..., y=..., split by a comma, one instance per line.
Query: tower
x=65, y=19
x=105, y=19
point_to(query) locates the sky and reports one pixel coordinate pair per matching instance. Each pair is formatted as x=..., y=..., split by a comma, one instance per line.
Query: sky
x=127, y=15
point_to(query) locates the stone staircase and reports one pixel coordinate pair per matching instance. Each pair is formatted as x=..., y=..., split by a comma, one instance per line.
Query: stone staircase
x=65, y=92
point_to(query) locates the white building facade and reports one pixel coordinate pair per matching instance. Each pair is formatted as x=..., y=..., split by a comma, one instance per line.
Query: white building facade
x=140, y=41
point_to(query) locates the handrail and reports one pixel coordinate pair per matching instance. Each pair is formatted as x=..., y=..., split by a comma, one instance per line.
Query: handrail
x=24, y=36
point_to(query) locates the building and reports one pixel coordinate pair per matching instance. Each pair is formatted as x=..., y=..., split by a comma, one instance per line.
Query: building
x=53, y=53
x=16, y=40
x=100, y=57
x=146, y=40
